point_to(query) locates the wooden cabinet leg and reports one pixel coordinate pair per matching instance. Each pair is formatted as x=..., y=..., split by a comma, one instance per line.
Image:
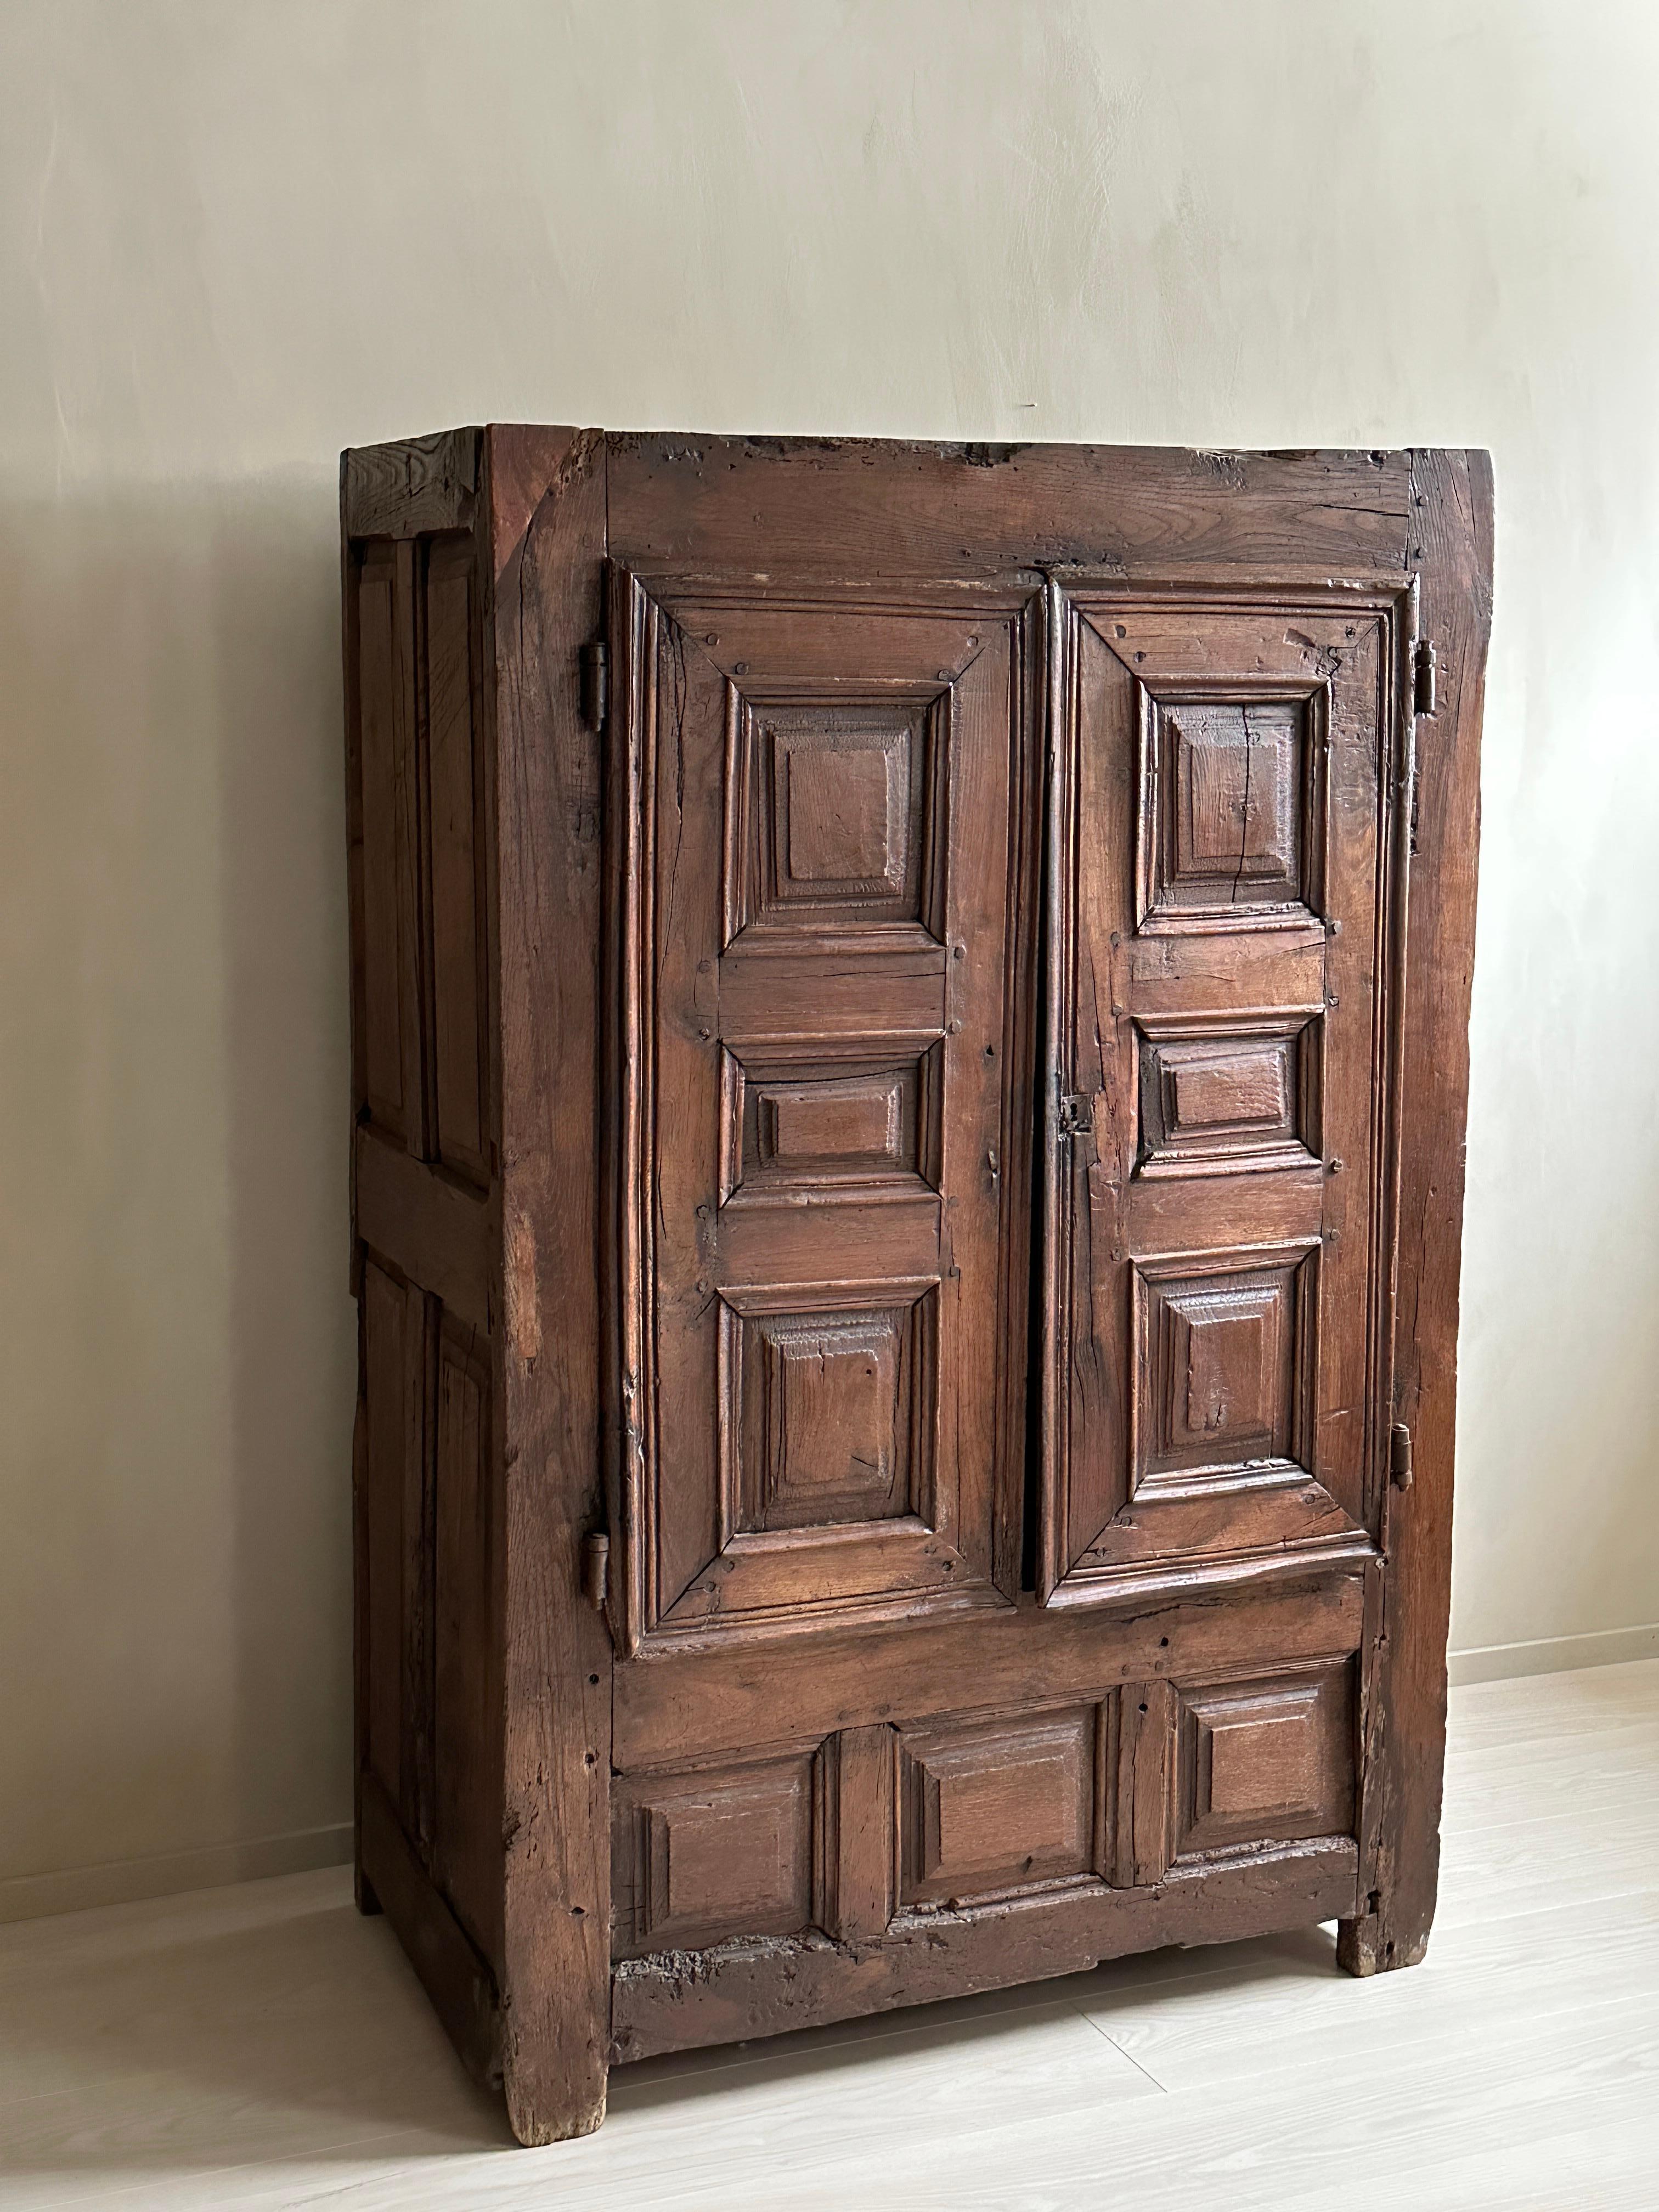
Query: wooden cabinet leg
x=555, y=2011
x=1371, y=1945
x=543, y=2109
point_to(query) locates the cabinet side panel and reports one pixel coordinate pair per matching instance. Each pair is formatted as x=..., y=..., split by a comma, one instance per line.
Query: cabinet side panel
x=466, y=1659
x=455, y=840
x=388, y=1011
x=393, y=1459
x=544, y=493
x=426, y=1224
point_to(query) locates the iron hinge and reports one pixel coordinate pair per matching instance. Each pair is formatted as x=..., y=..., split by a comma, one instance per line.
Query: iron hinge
x=596, y=1570
x=596, y=684
x=1076, y=1116
x=1400, y=1456
x=1423, y=676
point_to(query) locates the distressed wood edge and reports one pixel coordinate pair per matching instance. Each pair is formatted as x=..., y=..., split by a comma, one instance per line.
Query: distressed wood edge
x=522, y=463
x=411, y=485
x=1450, y=551
x=1055, y=1174
x=685, y=2000
x=541, y=542
x=1350, y=472
x=684, y=497
x=452, y=1972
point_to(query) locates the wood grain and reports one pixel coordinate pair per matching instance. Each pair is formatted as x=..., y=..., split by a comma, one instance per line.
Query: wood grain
x=686, y=1705
x=1450, y=551
x=544, y=606
x=699, y=502
x=668, y=2004
x=411, y=486
x=441, y=1234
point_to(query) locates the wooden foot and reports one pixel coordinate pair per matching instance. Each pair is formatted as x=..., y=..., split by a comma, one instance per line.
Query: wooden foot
x=558, y=2119
x=1367, y=1946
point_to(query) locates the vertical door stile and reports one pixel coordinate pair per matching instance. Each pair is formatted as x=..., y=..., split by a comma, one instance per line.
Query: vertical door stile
x=622, y=1126
x=1400, y=808
x=1057, y=1197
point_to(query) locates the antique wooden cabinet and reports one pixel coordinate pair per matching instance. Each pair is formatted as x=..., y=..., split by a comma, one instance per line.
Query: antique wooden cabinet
x=909, y=1017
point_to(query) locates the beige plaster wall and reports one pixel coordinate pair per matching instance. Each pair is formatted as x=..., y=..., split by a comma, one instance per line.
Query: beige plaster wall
x=235, y=238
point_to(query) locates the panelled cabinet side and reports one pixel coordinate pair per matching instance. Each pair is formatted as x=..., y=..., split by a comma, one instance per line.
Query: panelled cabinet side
x=544, y=496
x=1450, y=549
x=425, y=1223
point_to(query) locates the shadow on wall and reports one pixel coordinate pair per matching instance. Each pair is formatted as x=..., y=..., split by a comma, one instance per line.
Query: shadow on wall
x=178, y=1342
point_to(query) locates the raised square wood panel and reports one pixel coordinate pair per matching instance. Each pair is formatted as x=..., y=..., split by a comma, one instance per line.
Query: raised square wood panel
x=831, y=805
x=849, y=1122
x=1237, y=1764
x=833, y=1404
x=993, y=1805
x=826, y=819
x=792, y=1132
x=1226, y=897
x=1224, y=1367
x=1236, y=812
x=1225, y=1093
x=1262, y=1759
x=699, y=1857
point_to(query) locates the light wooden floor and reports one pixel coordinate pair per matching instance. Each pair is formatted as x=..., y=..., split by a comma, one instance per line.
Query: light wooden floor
x=263, y=2047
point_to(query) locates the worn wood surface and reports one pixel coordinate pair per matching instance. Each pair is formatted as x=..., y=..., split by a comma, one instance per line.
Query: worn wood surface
x=545, y=604
x=676, y=2002
x=411, y=486
x=696, y=1090
x=691, y=502
x=691, y=1704
x=1451, y=551
x=827, y=803
x=426, y=1204
x=440, y=1234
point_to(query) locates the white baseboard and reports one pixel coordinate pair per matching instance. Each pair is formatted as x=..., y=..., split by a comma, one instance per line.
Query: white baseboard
x=122, y=1881
x=1553, y=1654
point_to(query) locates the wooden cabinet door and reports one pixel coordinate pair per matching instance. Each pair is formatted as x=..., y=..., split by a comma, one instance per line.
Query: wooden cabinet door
x=824, y=806
x=1226, y=921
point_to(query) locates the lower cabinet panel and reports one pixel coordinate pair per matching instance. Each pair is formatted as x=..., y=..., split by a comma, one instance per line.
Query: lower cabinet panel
x=894, y=1862
x=990, y=1806
x=1267, y=1758
x=698, y=1858
x=680, y=2002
